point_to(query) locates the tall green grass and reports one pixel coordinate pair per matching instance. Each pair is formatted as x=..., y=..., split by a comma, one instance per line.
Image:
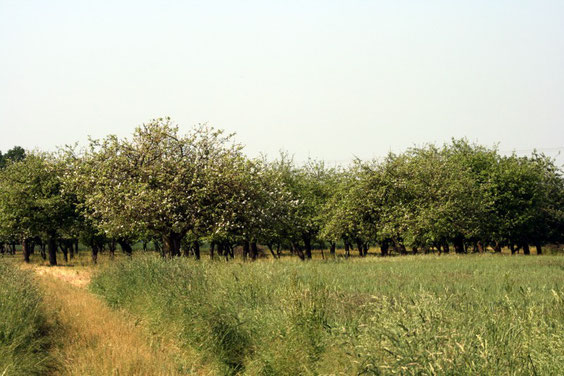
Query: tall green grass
x=410, y=315
x=24, y=339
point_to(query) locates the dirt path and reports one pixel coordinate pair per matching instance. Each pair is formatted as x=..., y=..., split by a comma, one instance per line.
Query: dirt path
x=74, y=276
x=95, y=340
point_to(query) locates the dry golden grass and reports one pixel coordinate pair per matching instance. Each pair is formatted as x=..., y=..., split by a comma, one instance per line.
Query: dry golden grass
x=79, y=277
x=92, y=339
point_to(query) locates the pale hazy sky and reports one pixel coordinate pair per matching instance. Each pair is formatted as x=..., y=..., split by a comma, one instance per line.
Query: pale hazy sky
x=326, y=79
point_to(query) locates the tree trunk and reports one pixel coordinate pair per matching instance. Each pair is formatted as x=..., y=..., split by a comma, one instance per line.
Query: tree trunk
x=414, y=250
x=526, y=249
x=95, y=250
x=271, y=249
x=399, y=247
x=458, y=244
x=254, y=250
x=307, y=243
x=538, y=246
x=222, y=250
x=403, y=251
x=168, y=245
x=112, y=248
x=71, y=249
x=384, y=247
x=42, y=247
x=497, y=247
x=26, y=249
x=76, y=243
x=297, y=249
x=246, y=249
x=332, y=249
x=172, y=243
x=360, y=248
x=185, y=248
x=63, y=246
x=446, y=247
x=52, y=249
x=125, y=246
x=219, y=250
x=347, y=249
x=212, y=250
x=227, y=251
x=196, y=248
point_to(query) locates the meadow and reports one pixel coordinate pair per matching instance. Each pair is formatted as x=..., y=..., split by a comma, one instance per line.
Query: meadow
x=474, y=314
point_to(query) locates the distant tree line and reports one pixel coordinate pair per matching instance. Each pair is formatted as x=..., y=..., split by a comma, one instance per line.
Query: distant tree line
x=179, y=191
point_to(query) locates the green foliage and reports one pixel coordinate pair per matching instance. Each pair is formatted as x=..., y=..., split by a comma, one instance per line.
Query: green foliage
x=526, y=197
x=350, y=211
x=24, y=334
x=32, y=203
x=431, y=196
x=308, y=190
x=413, y=315
x=158, y=183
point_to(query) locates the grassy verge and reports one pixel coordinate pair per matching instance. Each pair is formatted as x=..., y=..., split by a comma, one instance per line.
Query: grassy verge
x=411, y=315
x=24, y=334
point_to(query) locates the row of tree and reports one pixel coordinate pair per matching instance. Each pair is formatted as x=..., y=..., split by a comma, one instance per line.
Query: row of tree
x=179, y=190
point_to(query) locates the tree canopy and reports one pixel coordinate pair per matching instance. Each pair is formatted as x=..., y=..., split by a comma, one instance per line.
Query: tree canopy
x=181, y=189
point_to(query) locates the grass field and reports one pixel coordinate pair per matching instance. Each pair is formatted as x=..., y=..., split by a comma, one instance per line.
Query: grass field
x=483, y=314
x=24, y=330
x=427, y=314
